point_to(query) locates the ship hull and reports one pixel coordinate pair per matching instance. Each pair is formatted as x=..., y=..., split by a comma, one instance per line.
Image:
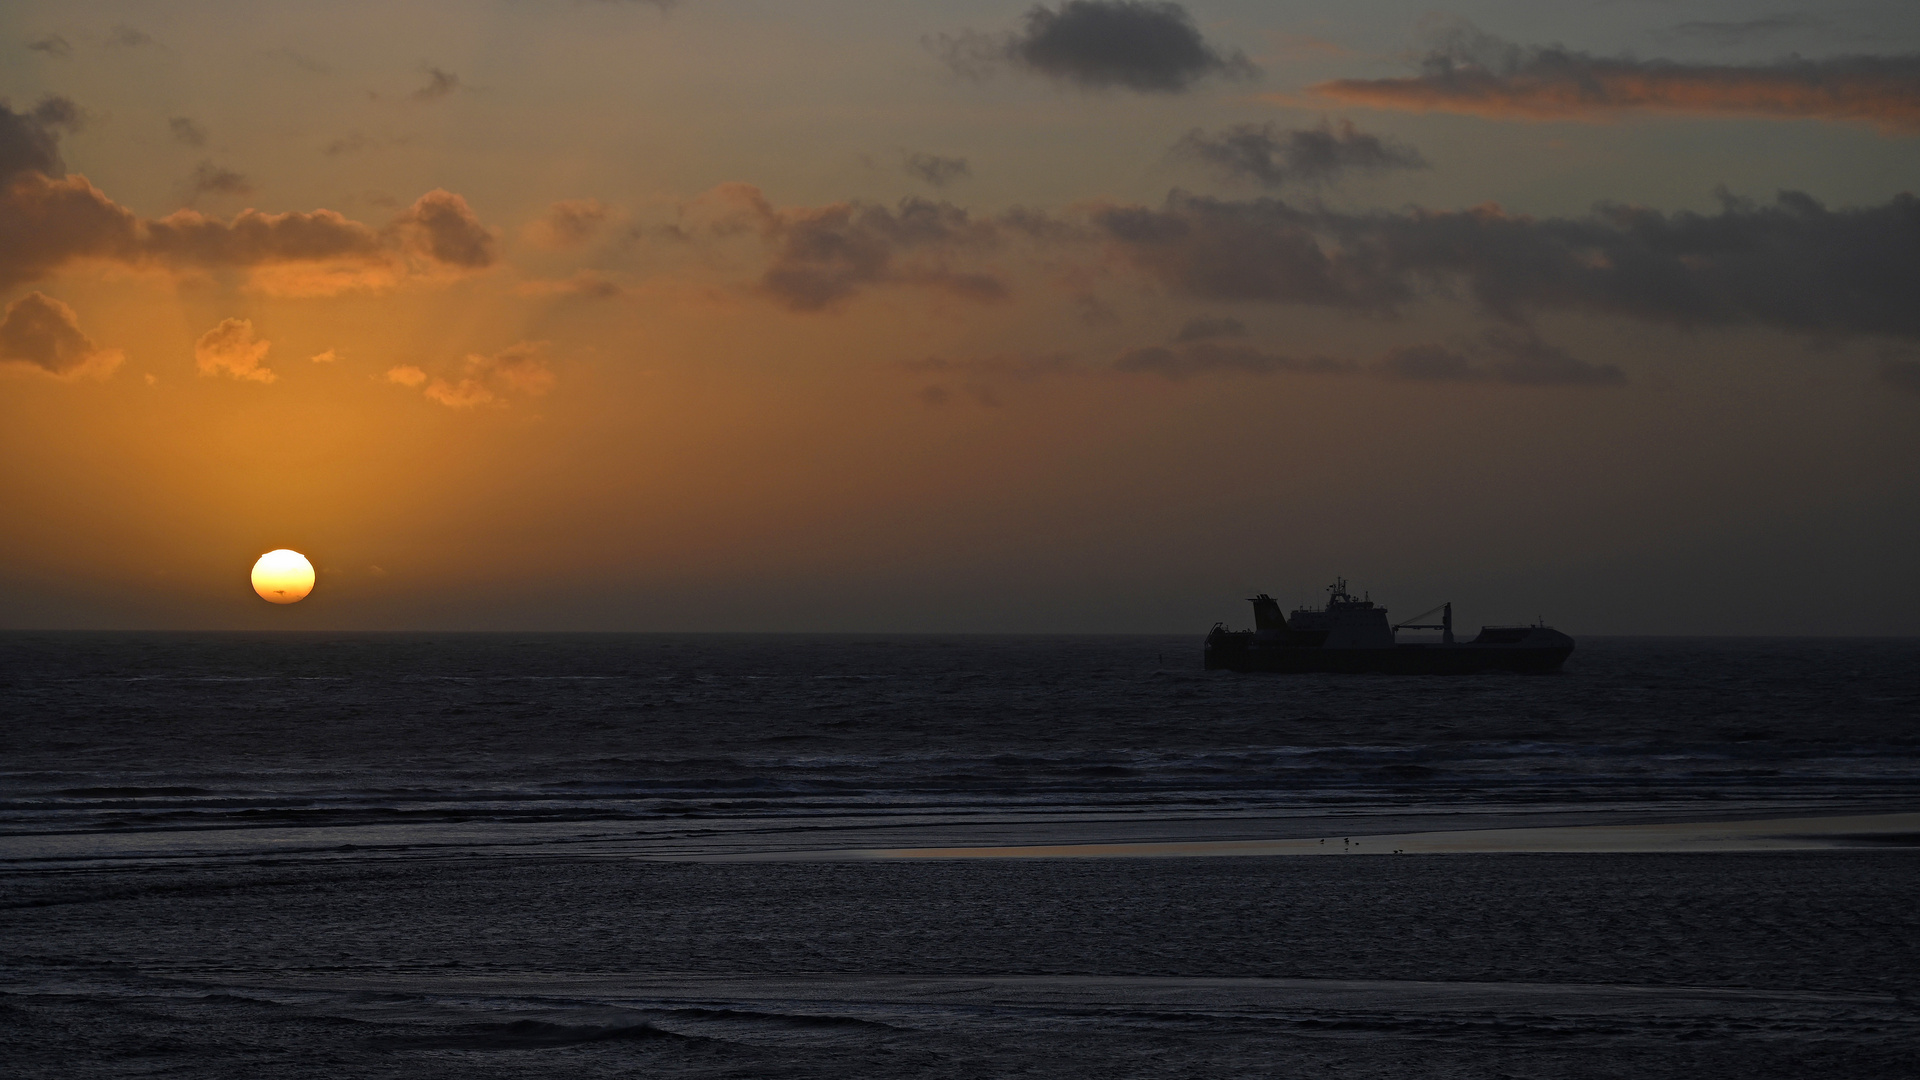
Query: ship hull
x=1230, y=651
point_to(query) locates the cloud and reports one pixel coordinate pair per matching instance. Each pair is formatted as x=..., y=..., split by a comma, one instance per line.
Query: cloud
x=1215, y=357
x=1795, y=265
x=327, y=357
x=30, y=141
x=935, y=169
x=1099, y=44
x=1022, y=366
x=518, y=370
x=1203, y=327
x=1520, y=357
x=1475, y=73
x=978, y=376
x=1271, y=157
x=570, y=223
x=1428, y=363
x=1501, y=355
x=445, y=229
x=43, y=333
x=824, y=255
x=53, y=45
x=439, y=84
x=218, y=180
x=185, y=131
x=47, y=223
x=232, y=348
x=127, y=37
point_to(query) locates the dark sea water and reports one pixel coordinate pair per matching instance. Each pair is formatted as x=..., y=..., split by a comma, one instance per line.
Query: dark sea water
x=557, y=855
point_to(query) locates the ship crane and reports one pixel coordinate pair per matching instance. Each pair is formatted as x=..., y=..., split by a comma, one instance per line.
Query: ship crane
x=1445, y=625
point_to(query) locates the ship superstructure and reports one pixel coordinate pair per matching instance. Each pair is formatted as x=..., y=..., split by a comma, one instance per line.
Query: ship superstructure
x=1352, y=634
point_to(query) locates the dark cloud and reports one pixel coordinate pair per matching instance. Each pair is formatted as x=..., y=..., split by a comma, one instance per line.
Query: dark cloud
x=439, y=84
x=1260, y=250
x=442, y=226
x=209, y=178
x=1204, y=327
x=1901, y=375
x=1502, y=355
x=58, y=112
x=1734, y=33
x=185, y=131
x=1427, y=363
x=935, y=169
x=53, y=45
x=1499, y=356
x=1272, y=157
x=46, y=223
x=44, y=333
x=1520, y=357
x=824, y=255
x=30, y=141
x=1100, y=44
x=1473, y=72
x=979, y=377
x=128, y=37
x=570, y=223
x=1795, y=265
x=1217, y=357
x=1017, y=366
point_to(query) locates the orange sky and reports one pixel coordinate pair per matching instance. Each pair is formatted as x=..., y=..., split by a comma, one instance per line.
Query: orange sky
x=728, y=316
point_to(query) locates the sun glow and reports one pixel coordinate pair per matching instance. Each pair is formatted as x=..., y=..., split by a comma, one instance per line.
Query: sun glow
x=283, y=576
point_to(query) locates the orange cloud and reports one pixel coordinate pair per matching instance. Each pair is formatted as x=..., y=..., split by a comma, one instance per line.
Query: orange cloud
x=232, y=348
x=42, y=333
x=1557, y=84
x=520, y=369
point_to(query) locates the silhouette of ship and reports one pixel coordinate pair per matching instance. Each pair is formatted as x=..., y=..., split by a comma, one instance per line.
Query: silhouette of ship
x=1352, y=635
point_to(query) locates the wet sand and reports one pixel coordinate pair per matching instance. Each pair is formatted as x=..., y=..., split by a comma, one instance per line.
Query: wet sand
x=1884, y=831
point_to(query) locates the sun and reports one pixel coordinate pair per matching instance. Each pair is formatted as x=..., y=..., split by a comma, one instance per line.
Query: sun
x=283, y=576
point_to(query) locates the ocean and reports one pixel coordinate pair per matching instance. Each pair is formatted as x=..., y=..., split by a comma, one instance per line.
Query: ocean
x=526, y=855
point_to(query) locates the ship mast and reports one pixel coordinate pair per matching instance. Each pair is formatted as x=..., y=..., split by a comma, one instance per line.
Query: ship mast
x=1445, y=625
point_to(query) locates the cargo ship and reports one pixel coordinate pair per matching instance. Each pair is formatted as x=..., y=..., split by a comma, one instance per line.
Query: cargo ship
x=1352, y=635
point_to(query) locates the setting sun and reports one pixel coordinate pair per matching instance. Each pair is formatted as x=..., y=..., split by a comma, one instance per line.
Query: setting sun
x=283, y=576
